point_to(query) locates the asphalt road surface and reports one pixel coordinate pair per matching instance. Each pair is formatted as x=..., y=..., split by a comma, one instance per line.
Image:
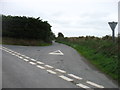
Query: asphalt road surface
x=55, y=66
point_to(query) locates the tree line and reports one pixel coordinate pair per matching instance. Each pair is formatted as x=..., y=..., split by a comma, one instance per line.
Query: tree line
x=26, y=28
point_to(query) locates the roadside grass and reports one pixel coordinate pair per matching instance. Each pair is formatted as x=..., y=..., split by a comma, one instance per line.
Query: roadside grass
x=101, y=53
x=24, y=42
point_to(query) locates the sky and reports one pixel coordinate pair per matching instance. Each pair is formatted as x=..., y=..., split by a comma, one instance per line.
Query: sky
x=71, y=17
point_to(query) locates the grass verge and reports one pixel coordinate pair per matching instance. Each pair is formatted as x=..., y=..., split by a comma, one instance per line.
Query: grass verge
x=102, y=54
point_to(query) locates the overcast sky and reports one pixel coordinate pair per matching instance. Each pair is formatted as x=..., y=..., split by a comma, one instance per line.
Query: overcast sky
x=71, y=17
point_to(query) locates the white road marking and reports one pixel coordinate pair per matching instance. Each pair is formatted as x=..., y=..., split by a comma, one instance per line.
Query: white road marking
x=49, y=66
x=13, y=54
x=26, y=57
x=9, y=52
x=5, y=50
x=32, y=63
x=40, y=62
x=40, y=67
x=94, y=84
x=58, y=52
x=23, y=55
x=26, y=60
x=20, y=57
x=82, y=86
x=74, y=76
x=33, y=59
x=16, y=55
x=62, y=71
x=66, y=78
x=52, y=72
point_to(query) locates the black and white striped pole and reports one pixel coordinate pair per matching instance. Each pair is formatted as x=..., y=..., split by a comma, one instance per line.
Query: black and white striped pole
x=113, y=25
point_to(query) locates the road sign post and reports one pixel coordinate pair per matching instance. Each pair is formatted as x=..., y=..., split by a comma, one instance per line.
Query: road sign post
x=112, y=26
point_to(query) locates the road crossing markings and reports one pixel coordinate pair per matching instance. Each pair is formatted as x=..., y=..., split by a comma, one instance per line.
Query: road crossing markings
x=40, y=67
x=32, y=63
x=82, y=85
x=74, y=76
x=52, y=72
x=66, y=78
x=49, y=66
x=40, y=62
x=94, y=84
x=35, y=62
x=59, y=70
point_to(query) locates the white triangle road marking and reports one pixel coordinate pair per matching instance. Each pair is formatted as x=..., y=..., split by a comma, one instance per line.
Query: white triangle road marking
x=57, y=52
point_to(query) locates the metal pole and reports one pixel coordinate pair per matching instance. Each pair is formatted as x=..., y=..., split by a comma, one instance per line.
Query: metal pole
x=113, y=35
x=113, y=25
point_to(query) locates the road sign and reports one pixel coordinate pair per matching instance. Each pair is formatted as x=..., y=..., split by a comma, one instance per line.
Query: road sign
x=112, y=25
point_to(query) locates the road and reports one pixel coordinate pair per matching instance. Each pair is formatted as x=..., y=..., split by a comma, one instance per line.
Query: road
x=55, y=66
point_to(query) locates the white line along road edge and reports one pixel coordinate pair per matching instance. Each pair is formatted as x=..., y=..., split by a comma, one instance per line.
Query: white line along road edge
x=57, y=52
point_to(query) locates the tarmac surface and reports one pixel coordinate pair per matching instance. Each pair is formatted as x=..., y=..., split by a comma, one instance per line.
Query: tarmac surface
x=55, y=66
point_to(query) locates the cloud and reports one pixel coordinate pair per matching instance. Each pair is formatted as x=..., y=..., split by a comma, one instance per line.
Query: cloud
x=73, y=17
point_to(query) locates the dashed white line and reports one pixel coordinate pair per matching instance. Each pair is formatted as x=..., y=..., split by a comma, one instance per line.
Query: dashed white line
x=32, y=63
x=26, y=57
x=23, y=55
x=13, y=54
x=66, y=78
x=62, y=71
x=94, y=84
x=52, y=72
x=49, y=66
x=20, y=57
x=40, y=67
x=40, y=62
x=33, y=59
x=16, y=55
x=26, y=60
x=82, y=86
x=74, y=76
x=8, y=51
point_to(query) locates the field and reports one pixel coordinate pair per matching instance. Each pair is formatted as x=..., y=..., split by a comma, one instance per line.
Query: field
x=101, y=52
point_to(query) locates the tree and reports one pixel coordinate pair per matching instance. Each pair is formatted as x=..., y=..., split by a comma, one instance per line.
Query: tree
x=60, y=35
x=26, y=28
